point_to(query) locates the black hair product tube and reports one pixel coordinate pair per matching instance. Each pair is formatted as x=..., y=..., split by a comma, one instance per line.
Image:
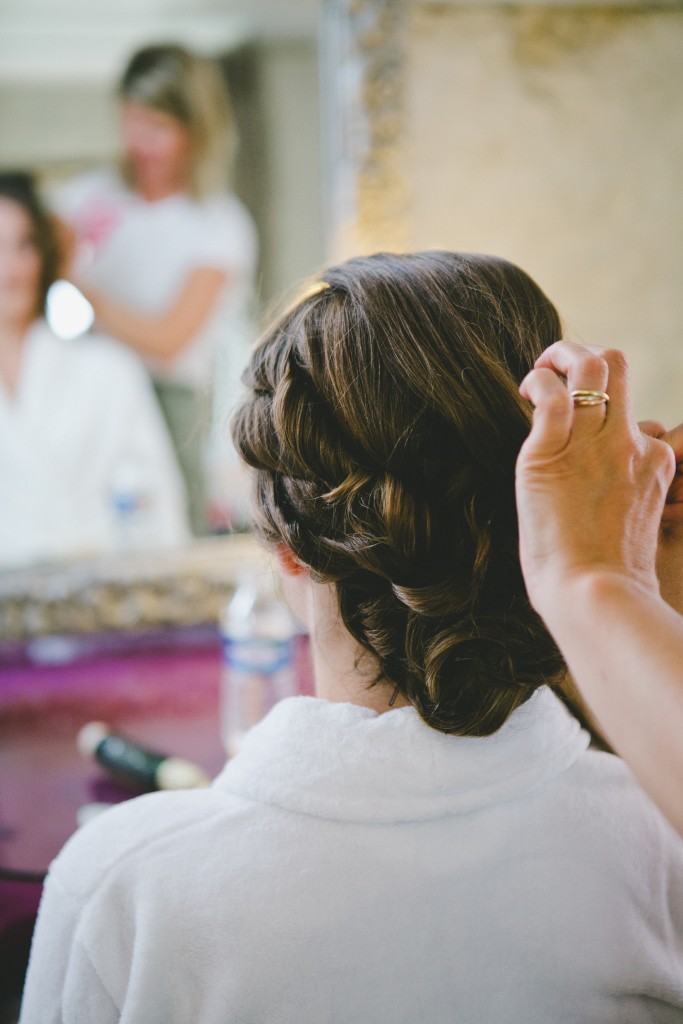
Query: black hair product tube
x=131, y=763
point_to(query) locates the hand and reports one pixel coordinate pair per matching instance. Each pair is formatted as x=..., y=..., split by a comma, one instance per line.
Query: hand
x=670, y=550
x=591, y=486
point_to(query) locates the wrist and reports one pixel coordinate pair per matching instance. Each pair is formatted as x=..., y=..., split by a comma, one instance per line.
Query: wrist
x=562, y=598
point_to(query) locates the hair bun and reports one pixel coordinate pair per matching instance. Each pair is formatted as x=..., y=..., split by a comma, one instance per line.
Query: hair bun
x=384, y=425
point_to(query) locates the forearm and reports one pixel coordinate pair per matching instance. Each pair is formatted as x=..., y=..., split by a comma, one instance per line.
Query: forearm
x=156, y=336
x=167, y=333
x=624, y=647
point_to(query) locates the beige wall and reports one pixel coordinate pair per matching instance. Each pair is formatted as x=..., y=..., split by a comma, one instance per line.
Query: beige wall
x=554, y=137
x=293, y=221
x=55, y=124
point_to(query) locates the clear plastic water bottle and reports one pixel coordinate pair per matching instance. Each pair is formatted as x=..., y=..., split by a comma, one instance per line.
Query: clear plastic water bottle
x=258, y=635
x=131, y=505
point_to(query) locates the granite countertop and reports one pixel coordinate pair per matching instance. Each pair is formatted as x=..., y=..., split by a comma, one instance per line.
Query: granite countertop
x=127, y=591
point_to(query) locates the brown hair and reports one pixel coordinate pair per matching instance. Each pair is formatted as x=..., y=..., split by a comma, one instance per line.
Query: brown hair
x=384, y=424
x=20, y=188
x=169, y=78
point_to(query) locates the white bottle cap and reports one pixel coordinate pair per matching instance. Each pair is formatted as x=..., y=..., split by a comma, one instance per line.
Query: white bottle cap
x=176, y=773
x=90, y=737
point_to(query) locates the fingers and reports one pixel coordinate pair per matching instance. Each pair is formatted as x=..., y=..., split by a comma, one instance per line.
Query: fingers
x=620, y=412
x=653, y=428
x=674, y=438
x=662, y=448
x=584, y=369
x=553, y=413
x=593, y=369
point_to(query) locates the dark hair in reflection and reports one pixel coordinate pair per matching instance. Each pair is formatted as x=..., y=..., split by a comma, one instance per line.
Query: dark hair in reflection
x=384, y=422
x=19, y=187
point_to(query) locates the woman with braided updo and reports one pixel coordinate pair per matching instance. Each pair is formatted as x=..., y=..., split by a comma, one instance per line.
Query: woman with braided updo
x=429, y=838
x=385, y=424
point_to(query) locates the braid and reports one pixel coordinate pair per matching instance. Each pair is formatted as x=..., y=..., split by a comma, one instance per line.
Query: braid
x=384, y=427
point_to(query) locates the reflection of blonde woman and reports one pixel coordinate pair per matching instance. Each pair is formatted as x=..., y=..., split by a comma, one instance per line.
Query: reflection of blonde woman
x=163, y=252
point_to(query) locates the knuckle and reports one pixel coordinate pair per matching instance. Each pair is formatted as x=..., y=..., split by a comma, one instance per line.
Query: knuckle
x=656, y=458
x=595, y=362
x=557, y=402
x=666, y=457
x=616, y=359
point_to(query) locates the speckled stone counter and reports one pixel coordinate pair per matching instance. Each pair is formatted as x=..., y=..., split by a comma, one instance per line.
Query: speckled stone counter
x=136, y=590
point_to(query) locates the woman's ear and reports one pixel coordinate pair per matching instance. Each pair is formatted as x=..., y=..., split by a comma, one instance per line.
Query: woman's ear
x=288, y=562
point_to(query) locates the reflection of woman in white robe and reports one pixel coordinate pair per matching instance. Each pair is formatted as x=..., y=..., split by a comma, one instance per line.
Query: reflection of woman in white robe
x=85, y=460
x=166, y=254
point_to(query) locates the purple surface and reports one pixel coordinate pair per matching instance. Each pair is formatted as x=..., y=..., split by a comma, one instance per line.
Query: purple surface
x=159, y=689
x=164, y=694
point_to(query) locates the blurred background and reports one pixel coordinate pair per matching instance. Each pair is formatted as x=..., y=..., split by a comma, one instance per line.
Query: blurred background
x=550, y=134
x=60, y=62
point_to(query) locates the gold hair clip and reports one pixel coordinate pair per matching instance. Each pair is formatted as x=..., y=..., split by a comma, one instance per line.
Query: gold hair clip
x=311, y=289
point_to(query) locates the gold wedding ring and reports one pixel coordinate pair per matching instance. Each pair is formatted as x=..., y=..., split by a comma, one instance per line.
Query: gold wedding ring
x=584, y=396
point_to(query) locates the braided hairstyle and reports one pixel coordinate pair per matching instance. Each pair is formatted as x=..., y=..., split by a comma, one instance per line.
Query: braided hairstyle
x=384, y=422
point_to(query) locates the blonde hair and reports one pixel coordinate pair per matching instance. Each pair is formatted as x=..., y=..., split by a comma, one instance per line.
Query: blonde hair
x=172, y=80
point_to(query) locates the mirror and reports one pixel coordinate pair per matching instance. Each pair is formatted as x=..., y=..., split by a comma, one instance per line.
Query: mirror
x=547, y=134
x=59, y=67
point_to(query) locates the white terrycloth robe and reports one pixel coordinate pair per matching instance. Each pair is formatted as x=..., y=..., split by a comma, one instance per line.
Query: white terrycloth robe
x=82, y=409
x=354, y=867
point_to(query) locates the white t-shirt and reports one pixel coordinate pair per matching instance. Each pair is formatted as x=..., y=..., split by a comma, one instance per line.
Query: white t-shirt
x=350, y=867
x=83, y=425
x=141, y=254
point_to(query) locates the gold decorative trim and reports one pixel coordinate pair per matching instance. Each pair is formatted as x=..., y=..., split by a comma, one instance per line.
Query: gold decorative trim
x=183, y=587
x=364, y=56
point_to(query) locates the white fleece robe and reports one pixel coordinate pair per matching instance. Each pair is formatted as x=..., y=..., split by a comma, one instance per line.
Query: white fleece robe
x=84, y=410
x=354, y=867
